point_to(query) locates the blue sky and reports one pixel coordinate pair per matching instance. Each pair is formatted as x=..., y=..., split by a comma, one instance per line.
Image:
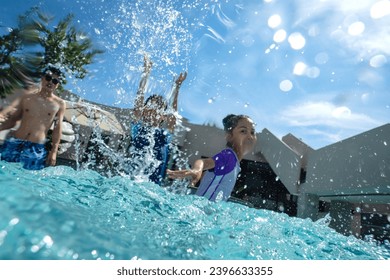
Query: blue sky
x=316, y=69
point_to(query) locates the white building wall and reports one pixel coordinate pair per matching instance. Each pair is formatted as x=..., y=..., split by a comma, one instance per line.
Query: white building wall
x=357, y=165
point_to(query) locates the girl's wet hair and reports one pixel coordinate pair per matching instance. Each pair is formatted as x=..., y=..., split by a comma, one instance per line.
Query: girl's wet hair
x=159, y=99
x=231, y=121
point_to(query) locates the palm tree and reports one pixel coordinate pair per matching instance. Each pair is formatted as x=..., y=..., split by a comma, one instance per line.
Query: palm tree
x=28, y=49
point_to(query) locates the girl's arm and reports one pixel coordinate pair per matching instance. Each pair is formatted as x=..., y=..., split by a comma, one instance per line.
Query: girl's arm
x=172, y=101
x=195, y=173
x=175, y=91
x=139, y=99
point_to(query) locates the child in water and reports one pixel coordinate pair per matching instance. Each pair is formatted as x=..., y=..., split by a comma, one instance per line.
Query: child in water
x=224, y=167
x=151, y=129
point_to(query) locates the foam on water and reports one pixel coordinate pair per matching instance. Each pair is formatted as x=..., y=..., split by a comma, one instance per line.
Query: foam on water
x=60, y=213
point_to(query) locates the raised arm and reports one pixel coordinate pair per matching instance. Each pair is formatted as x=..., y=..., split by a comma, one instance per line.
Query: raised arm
x=173, y=99
x=175, y=90
x=139, y=99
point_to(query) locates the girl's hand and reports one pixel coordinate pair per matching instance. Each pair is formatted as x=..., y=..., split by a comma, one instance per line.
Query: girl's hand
x=195, y=175
x=181, y=78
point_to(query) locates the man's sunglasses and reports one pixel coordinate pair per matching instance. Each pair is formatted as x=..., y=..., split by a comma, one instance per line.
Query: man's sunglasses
x=50, y=78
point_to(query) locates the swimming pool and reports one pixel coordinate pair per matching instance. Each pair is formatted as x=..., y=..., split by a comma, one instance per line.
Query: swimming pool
x=61, y=213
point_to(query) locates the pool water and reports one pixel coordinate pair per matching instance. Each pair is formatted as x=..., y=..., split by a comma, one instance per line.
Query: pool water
x=61, y=213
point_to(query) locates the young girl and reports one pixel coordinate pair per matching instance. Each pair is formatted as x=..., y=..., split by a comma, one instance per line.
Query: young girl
x=223, y=168
x=149, y=149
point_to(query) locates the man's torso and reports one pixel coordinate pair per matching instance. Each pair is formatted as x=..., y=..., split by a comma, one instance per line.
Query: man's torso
x=38, y=114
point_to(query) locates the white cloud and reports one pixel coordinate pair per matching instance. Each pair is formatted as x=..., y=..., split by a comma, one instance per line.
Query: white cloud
x=319, y=138
x=326, y=114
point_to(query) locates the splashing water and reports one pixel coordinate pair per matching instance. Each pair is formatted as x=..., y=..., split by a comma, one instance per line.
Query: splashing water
x=60, y=213
x=160, y=29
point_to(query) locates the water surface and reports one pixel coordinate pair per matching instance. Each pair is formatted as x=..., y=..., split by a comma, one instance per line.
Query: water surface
x=60, y=213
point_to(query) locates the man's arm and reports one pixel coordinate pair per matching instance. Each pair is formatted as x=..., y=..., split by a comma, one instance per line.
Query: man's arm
x=56, y=136
x=11, y=114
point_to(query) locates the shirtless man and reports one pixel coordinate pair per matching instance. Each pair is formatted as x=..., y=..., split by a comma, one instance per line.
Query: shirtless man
x=36, y=113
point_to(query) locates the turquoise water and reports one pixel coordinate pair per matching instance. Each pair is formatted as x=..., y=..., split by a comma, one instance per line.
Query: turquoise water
x=60, y=213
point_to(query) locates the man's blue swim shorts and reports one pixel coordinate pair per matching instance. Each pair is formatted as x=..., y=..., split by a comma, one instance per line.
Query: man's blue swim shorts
x=31, y=155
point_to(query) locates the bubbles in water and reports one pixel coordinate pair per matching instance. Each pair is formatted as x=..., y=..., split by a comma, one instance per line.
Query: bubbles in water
x=219, y=197
x=34, y=248
x=94, y=253
x=14, y=221
x=48, y=241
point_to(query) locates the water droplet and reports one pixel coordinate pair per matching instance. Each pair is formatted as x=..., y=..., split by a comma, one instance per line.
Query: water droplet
x=280, y=36
x=35, y=248
x=94, y=253
x=14, y=221
x=48, y=241
x=378, y=61
x=285, y=85
x=297, y=41
x=356, y=28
